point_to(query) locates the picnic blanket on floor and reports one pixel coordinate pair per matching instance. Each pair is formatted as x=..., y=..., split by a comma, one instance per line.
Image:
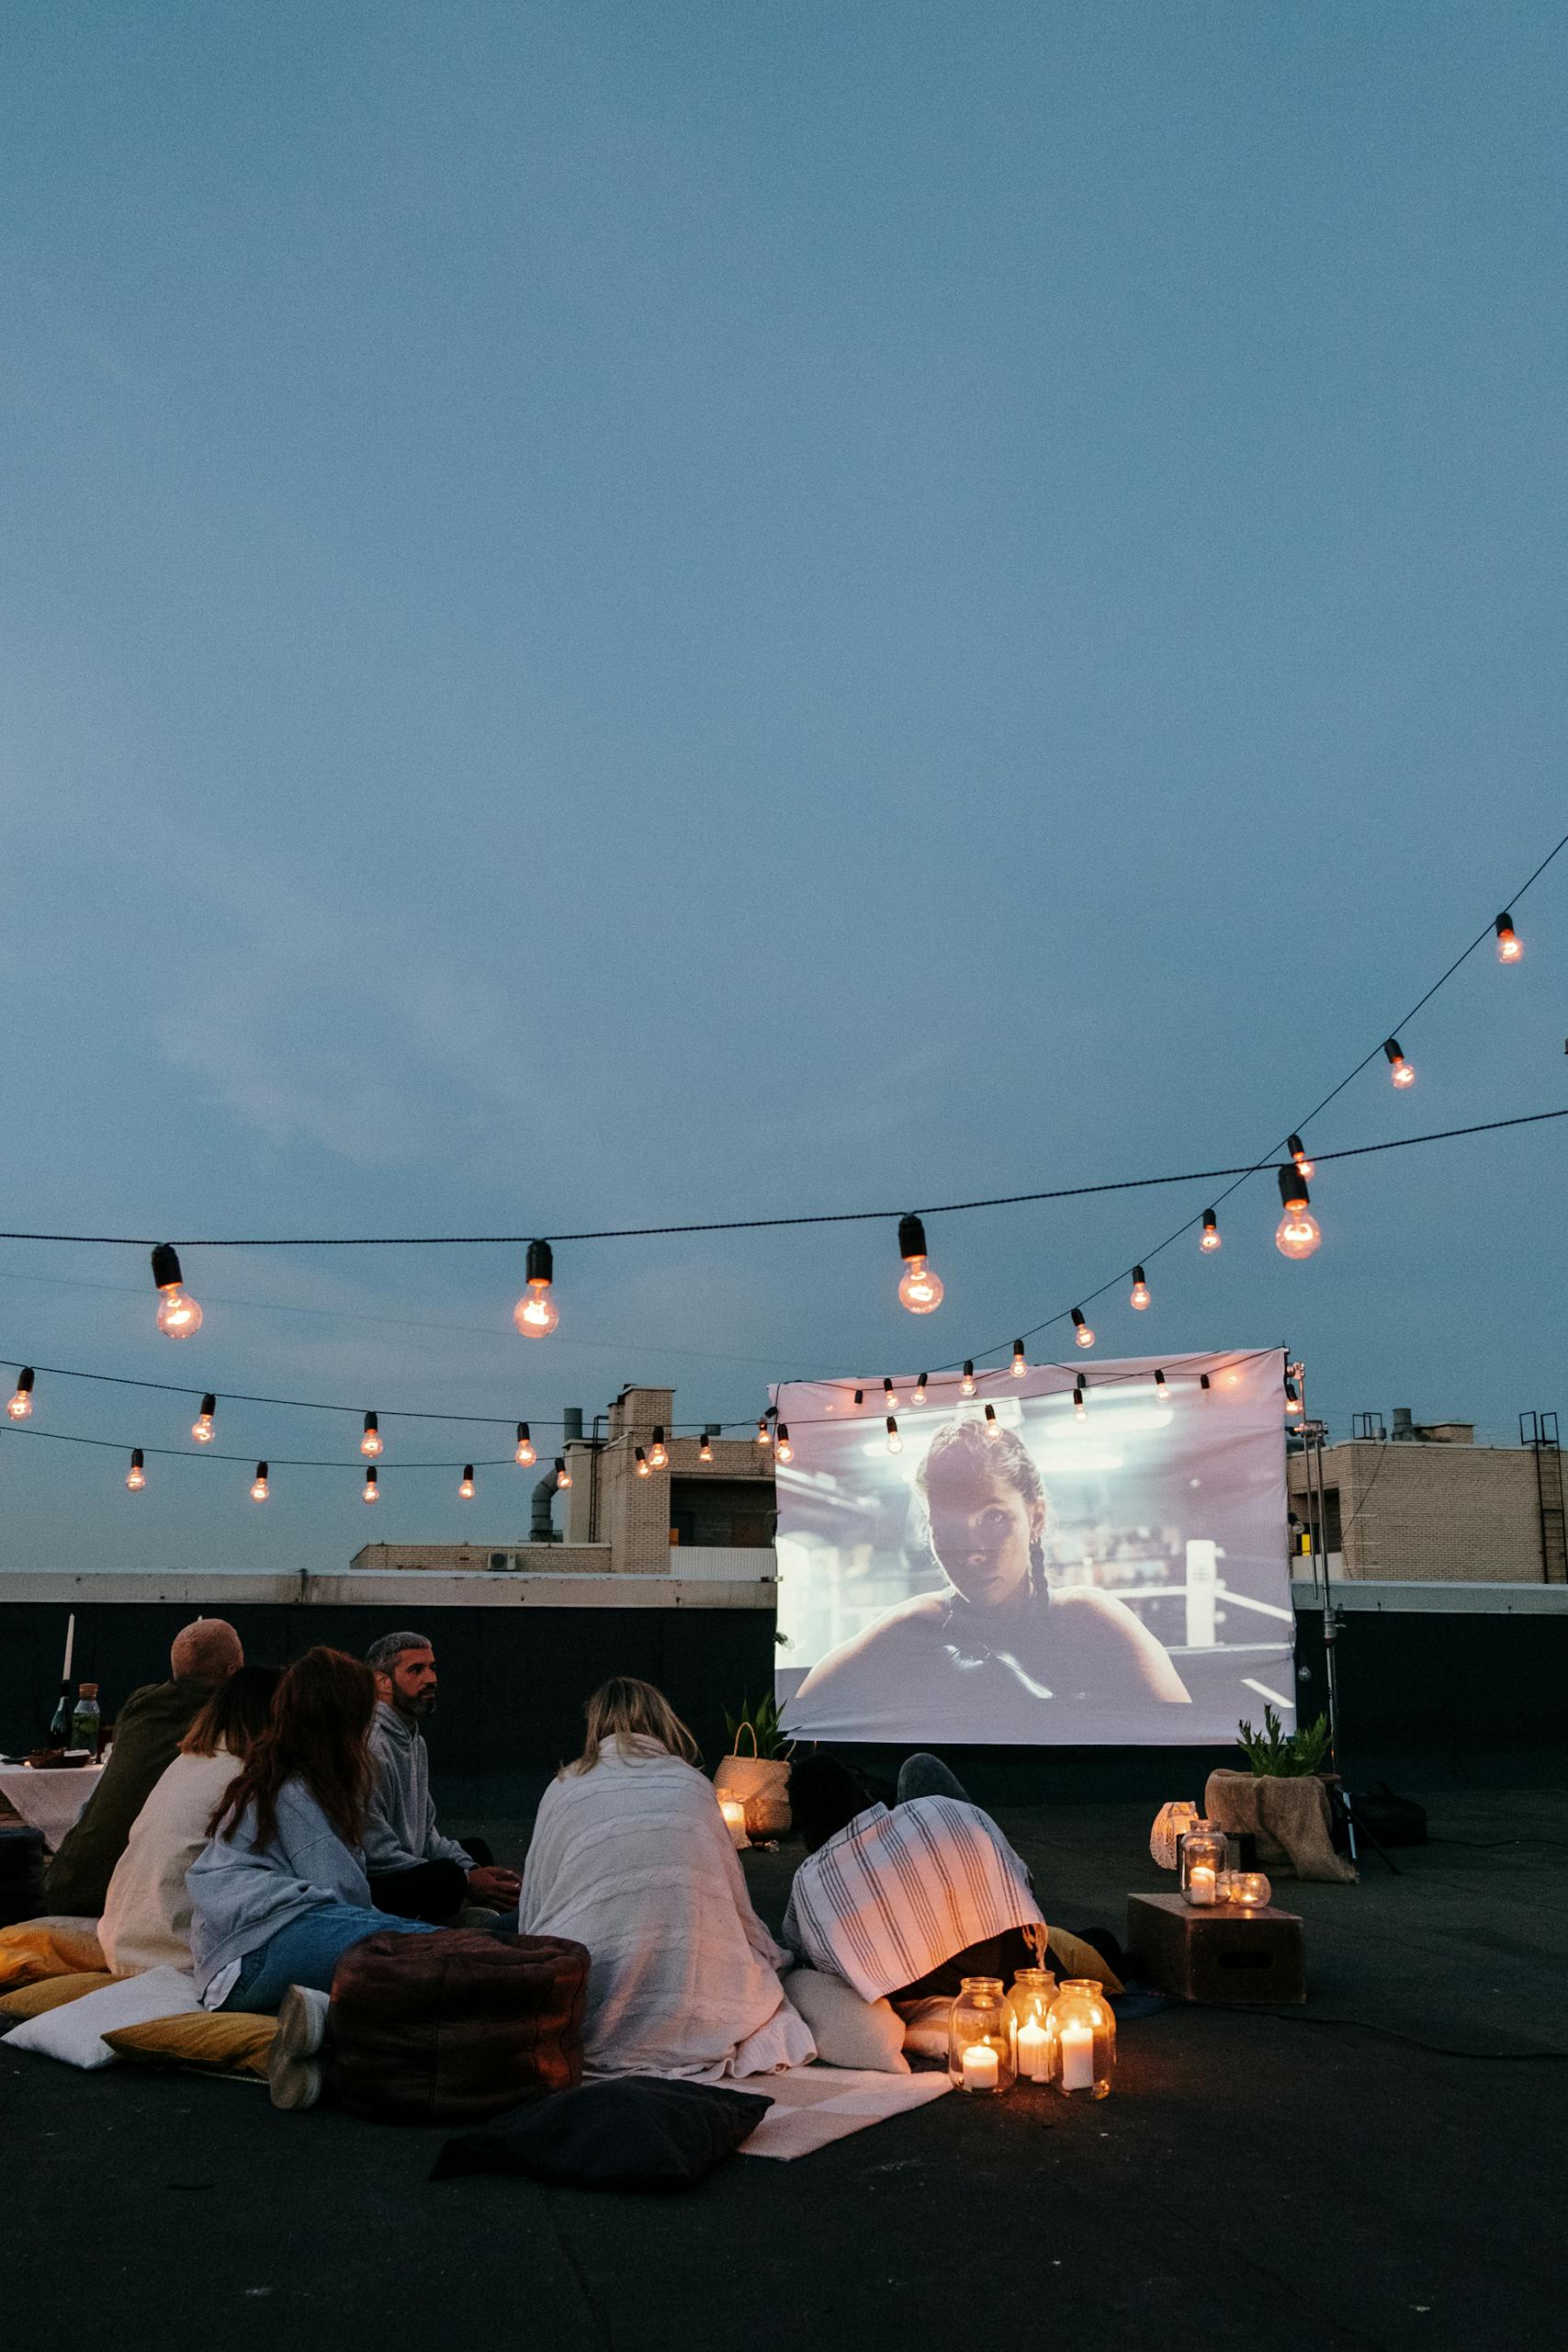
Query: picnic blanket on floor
x=816, y=2105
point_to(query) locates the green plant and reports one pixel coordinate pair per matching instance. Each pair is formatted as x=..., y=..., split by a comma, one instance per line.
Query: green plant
x=1284, y=1756
x=762, y=1722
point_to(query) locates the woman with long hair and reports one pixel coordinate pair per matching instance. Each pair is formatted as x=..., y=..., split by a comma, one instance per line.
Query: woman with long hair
x=280, y=1892
x=146, y=1920
x=996, y=1642
x=630, y=1856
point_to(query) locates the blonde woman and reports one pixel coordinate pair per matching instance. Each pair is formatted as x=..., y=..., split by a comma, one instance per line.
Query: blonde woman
x=630, y=1857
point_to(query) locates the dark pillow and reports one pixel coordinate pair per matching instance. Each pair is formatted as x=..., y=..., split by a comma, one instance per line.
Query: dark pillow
x=635, y=2132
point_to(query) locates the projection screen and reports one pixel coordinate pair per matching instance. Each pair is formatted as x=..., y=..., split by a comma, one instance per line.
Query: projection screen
x=1038, y=1576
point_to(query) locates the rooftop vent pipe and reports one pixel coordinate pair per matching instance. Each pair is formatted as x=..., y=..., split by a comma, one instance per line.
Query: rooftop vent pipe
x=571, y=1417
x=543, y=1527
x=1403, y=1430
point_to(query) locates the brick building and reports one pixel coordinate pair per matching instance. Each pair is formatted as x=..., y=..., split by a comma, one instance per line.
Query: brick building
x=1427, y=1504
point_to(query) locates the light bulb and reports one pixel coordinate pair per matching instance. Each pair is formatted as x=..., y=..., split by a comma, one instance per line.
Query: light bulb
x=136, y=1478
x=705, y=1451
x=1082, y=1331
x=465, y=1483
x=201, y=1428
x=918, y=1394
x=1162, y=1390
x=1139, y=1295
x=20, y=1406
x=179, y=1317
x=993, y=1426
x=921, y=1289
x=1292, y=1400
x=259, y=1487
x=764, y=1436
x=895, y=1442
x=1204, y=1380
x=1298, y=1151
x=1080, y=1410
x=1211, y=1231
x=371, y=1490
x=1298, y=1233
x=535, y=1313
x=967, y=1383
x=657, y=1453
x=889, y=1399
x=858, y=1400
x=563, y=1476
x=525, y=1454
x=370, y=1443
x=1399, y=1069
x=644, y=1467
x=1508, y=947
x=783, y=1451
x=1019, y=1364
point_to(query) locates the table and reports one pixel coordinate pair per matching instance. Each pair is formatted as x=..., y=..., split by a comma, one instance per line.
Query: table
x=48, y=1800
x=1214, y=1952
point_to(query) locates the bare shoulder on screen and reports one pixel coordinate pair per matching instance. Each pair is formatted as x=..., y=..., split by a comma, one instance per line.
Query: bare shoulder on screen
x=908, y=1626
x=1097, y=1636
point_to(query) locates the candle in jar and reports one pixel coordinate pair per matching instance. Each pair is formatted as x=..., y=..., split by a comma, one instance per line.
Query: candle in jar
x=980, y=2069
x=1200, y=1884
x=70, y=1646
x=734, y=1813
x=1077, y=2058
x=1034, y=2049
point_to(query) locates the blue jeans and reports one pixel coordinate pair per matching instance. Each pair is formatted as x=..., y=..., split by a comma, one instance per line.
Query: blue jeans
x=307, y=1951
x=924, y=1775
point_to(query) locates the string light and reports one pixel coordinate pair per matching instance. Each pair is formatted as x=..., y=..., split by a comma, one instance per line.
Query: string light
x=1080, y=1410
x=535, y=1313
x=1298, y=1232
x=857, y=1399
x=1293, y=1399
x=967, y=1383
x=764, y=1437
x=889, y=1399
x=1204, y=1380
x=136, y=1476
x=465, y=1483
x=1019, y=1364
x=705, y=1451
x=1298, y=1151
x=1162, y=1390
x=1082, y=1332
x=1139, y=1295
x=657, y=1453
x=1508, y=947
x=783, y=1451
x=371, y=1490
x=20, y=1406
x=918, y=1394
x=201, y=1428
x=370, y=1443
x=993, y=1426
x=644, y=1467
x=260, y=1488
x=179, y=1317
x=525, y=1456
x=1211, y=1231
x=563, y=1476
x=921, y=1289
x=895, y=1442
x=1401, y=1073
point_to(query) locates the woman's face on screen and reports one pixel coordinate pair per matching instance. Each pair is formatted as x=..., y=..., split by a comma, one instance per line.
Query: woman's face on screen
x=981, y=1529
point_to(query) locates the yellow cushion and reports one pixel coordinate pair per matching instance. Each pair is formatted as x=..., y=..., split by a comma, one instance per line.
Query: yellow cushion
x=51, y=1993
x=1072, y=1957
x=220, y=2042
x=48, y=1947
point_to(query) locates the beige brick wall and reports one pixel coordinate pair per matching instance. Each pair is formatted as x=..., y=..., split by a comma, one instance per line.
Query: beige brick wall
x=1448, y=1513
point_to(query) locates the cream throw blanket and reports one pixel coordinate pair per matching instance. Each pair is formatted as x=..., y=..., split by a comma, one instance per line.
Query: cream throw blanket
x=633, y=1859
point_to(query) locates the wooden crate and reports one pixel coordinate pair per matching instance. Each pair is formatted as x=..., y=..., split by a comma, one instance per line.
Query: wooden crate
x=1201, y=1953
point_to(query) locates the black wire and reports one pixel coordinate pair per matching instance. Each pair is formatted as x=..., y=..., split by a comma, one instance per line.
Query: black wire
x=1364, y=2025
x=1491, y=1845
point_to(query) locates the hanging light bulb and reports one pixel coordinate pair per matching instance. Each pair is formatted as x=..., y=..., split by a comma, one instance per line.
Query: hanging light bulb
x=1292, y=1400
x=136, y=1476
x=465, y=1483
x=993, y=1426
x=895, y=1442
x=371, y=1490
x=1508, y=947
x=1298, y=1151
x=889, y=1400
x=1082, y=1331
x=1162, y=1390
x=764, y=1436
x=1401, y=1073
x=563, y=1476
x=657, y=1453
x=857, y=1399
x=705, y=1451
x=967, y=1383
x=201, y=1428
x=260, y=1488
x=644, y=1467
x=921, y=1290
x=1298, y=1232
x=1211, y=1231
x=1019, y=1364
x=535, y=1313
x=525, y=1454
x=1080, y=1410
x=918, y=1394
x=1204, y=1380
x=783, y=1451
x=179, y=1317
x=20, y=1406
x=1139, y=1295
x=370, y=1443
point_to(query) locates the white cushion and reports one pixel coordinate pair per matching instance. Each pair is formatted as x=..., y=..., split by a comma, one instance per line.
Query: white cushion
x=847, y=2030
x=74, y=2032
x=925, y=2026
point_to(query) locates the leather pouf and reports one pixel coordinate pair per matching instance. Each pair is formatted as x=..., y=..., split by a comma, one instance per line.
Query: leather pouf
x=456, y=2025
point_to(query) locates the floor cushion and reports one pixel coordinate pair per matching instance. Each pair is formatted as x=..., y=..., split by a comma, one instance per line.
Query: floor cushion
x=74, y=2034
x=215, y=2041
x=52, y=1993
x=848, y=2031
x=635, y=2131
x=50, y=1946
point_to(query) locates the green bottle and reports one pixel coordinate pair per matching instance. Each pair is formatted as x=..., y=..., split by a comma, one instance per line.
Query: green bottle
x=86, y=1724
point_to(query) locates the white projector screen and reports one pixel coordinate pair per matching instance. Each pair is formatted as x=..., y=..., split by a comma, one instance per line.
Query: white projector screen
x=1119, y=1578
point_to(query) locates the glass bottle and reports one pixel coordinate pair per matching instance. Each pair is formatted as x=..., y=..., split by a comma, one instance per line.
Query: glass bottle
x=1034, y=2036
x=86, y=1724
x=60, y=1721
x=1205, y=1853
x=979, y=2037
x=1086, y=2038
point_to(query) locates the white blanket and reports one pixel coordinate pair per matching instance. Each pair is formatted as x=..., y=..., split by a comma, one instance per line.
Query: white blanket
x=633, y=1859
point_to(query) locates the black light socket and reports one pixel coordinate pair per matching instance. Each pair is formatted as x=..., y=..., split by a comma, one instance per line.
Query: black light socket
x=541, y=1265
x=911, y=1238
x=1293, y=1187
x=25, y=1381
x=209, y=1403
x=166, y=1272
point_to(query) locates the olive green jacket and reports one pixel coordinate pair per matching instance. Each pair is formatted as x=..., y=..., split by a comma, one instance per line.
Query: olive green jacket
x=146, y=1734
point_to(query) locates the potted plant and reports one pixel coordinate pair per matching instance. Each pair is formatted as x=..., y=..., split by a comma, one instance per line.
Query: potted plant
x=1277, y=1755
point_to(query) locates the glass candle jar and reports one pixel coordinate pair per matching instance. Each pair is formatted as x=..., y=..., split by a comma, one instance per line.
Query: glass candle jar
x=1086, y=2038
x=1205, y=1853
x=1170, y=1824
x=1034, y=2036
x=1249, y=1890
x=979, y=2037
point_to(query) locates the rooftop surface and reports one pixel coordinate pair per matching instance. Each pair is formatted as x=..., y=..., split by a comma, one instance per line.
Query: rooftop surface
x=1254, y=2178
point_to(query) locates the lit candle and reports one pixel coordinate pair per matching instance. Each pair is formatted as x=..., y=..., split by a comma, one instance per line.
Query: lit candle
x=70, y=1646
x=1077, y=2058
x=734, y=1813
x=1034, y=2049
x=980, y=2073
x=1199, y=1883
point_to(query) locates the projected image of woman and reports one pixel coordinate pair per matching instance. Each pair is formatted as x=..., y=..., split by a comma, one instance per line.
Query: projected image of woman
x=998, y=1629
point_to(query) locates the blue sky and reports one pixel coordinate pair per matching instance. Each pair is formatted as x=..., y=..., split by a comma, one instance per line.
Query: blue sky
x=618, y=614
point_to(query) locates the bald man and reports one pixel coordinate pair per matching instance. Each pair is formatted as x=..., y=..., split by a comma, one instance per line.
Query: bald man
x=146, y=1734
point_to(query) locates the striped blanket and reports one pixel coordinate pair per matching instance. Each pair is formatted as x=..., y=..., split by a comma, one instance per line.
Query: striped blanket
x=895, y=1894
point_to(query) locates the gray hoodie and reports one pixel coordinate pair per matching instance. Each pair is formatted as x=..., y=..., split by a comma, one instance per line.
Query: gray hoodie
x=400, y=1828
x=242, y=1893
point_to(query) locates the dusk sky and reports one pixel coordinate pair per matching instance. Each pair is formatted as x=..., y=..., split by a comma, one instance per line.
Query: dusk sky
x=616, y=614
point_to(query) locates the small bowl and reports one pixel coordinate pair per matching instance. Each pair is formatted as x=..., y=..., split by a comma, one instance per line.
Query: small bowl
x=60, y=1759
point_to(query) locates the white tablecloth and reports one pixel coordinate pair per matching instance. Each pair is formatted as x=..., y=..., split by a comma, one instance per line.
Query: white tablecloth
x=49, y=1800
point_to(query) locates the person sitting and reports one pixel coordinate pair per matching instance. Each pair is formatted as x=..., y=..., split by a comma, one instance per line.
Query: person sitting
x=630, y=1857
x=146, y=1921
x=414, y=1871
x=280, y=1892
x=904, y=1902
x=147, y=1734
